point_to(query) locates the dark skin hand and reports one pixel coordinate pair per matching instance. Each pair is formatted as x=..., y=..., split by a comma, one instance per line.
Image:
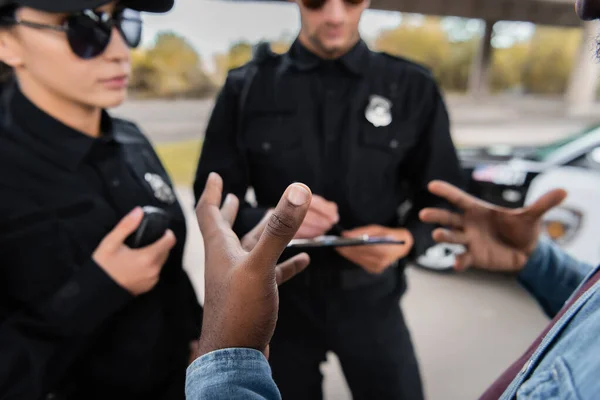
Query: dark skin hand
x=242, y=278
x=496, y=238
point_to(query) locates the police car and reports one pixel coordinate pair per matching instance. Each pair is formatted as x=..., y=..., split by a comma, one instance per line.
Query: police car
x=516, y=176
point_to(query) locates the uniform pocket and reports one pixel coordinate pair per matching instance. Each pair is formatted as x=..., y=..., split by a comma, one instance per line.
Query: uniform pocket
x=554, y=383
x=395, y=139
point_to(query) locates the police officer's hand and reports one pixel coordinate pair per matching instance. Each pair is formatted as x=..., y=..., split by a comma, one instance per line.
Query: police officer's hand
x=496, y=238
x=241, y=300
x=136, y=270
x=321, y=217
x=377, y=258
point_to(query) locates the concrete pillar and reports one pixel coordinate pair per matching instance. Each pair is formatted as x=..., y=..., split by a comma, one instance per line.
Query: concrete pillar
x=479, y=76
x=581, y=92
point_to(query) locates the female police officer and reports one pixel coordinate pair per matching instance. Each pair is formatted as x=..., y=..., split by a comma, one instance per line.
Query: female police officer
x=89, y=317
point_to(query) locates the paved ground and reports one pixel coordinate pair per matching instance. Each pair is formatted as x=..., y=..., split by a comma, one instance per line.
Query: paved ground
x=467, y=328
x=499, y=119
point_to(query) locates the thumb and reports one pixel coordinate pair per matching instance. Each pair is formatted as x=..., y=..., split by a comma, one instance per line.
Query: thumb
x=281, y=227
x=545, y=203
x=124, y=228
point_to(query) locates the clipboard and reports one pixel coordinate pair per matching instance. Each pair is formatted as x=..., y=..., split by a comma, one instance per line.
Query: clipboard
x=337, y=241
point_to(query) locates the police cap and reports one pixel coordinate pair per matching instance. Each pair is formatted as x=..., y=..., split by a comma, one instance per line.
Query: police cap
x=67, y=6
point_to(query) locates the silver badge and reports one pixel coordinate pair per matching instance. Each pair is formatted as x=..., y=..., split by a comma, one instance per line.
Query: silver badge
x=162, y=191
x=379, y=111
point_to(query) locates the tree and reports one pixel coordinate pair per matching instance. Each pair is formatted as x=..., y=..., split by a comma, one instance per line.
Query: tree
x=426, y=43
x=170, y=68
x=550, y=60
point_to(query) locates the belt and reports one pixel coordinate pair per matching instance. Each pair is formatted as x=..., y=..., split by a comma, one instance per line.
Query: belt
x=337, y=278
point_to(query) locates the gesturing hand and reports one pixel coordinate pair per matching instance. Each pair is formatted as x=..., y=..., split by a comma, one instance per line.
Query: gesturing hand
x=242, y=300
x=497, y=239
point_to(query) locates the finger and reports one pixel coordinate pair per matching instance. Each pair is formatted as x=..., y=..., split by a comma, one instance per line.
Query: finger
x=162, y=245
x=251, y=238
x=545, y=203
x=463, y=262
x=230, y=208
x=359, y=254
x=309, y=232
x=207, y=210
x=283, y=224
x=159, y=251
x=371, y=230
x=290, y=268
x=123, y=229
x=316, y=221
x=453, y=194
x=447, y=236
x=441, y=217
x=324, y=208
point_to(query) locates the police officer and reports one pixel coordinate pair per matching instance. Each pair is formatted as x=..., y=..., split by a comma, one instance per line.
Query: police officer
x=366, y=132
x=88, y=316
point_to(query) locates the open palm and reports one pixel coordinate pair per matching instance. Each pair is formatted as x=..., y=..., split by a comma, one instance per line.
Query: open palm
x=496, y=238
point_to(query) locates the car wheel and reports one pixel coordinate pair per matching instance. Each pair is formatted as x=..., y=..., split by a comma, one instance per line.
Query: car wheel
x=440, y=257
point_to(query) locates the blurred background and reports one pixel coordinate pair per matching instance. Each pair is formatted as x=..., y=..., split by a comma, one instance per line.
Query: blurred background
x=520, y=78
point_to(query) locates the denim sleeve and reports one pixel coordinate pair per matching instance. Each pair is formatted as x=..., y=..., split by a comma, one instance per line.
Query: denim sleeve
x=552, y=276
x=231, y=374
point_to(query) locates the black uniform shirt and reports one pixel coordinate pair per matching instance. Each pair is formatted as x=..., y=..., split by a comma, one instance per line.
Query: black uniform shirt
x=74, y=331
x=332, y=86
x=303, y=119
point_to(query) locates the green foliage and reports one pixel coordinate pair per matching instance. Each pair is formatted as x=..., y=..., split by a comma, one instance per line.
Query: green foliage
x=541, y=65
x=551, y=60
x=427, y=44
x=171, y=68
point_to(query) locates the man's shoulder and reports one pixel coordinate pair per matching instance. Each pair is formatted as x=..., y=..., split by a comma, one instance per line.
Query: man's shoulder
x=262, y=57
x=402, y=65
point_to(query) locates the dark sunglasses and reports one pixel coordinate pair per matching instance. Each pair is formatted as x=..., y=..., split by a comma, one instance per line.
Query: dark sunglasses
x=89, y=31
x=317, y=4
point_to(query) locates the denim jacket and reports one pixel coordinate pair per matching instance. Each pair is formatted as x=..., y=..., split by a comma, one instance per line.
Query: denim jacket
x=565, y=366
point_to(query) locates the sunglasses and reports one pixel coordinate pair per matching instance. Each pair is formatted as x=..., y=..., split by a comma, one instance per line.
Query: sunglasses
x=317, y=4
x=89, y=32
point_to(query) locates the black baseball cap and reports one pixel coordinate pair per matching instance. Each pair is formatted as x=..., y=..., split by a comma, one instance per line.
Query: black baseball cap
x=66, y=6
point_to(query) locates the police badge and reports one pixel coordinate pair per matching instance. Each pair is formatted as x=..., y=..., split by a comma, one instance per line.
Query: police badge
x=162, y=191
x=379, y=111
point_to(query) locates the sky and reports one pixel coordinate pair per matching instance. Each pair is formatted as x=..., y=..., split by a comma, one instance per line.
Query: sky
x=212, y=25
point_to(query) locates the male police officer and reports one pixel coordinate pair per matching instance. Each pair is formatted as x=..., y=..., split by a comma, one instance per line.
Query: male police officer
x=366, y=132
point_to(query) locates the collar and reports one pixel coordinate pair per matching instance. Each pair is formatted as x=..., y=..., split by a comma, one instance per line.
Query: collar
x=355, y=60
x=51, y=138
